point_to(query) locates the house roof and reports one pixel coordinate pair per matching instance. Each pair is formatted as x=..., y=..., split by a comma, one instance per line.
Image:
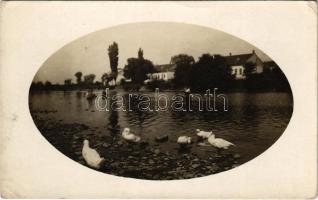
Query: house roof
x=165, y=68
x=240, y=59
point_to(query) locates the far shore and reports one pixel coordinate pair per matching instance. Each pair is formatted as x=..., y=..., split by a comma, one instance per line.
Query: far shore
x=120, y=88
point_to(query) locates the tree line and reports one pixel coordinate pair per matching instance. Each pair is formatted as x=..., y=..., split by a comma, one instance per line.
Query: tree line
x=212, y=71
x=209, y=71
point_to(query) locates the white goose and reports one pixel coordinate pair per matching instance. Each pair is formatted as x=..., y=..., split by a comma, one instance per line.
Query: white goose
x=130, y=136
x=184, y=140
x=91, y=156
x=219, y=142
x=203, y=134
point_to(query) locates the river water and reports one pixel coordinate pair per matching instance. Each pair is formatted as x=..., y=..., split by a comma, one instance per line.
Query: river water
x=253, y=122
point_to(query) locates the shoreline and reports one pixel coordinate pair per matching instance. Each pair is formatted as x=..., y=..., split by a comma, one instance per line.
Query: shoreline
x=142, y=161
x=162, y=90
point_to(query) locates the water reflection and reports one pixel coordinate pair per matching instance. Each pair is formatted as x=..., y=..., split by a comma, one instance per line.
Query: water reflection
x=254, y=121
x=113, y=125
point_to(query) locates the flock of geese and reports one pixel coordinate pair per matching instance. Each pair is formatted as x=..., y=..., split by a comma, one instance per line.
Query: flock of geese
x=94, y=160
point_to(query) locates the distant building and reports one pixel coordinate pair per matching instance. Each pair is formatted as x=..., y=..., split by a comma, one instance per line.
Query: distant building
x=163, y=72
x=237, y=62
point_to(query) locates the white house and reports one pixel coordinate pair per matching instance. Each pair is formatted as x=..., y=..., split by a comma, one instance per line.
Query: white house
x=238, y=71
x=237, y=62
x=163, y=72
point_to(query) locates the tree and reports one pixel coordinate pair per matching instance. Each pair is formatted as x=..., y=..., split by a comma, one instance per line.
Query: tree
x=40, y=83
x=140, y=54
x=104, y=78
x=209, y=72
x=37, y=86
x=138, y=68
x=78, y=76
x=113, y=59
x=48, y=84
x=68, y=82
x=249, y=68
x=182, y=59
x=273, y=79
x=183, y=64
x=182, y=75
x=89, y=79
x=279, y=80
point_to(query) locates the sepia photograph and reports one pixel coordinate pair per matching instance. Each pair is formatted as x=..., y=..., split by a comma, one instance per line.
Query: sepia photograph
x=160, y=101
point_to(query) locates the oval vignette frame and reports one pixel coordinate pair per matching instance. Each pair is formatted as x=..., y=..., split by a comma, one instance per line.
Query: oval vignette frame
x=261, y=97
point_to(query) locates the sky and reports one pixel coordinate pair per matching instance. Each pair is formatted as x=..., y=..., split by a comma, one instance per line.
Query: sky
x=159, y=41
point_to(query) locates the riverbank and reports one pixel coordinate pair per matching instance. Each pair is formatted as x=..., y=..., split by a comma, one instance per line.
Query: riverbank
x=162, y=90
x=253, y=123
x=144, y=160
